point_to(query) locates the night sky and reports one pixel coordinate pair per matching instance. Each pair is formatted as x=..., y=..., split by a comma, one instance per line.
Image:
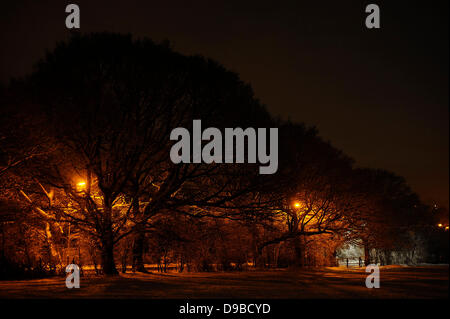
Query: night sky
x=379, y=95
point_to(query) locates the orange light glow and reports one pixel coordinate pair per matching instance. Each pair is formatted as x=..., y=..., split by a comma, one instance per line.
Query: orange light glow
x=81, y=185
x=439, y=225
x=446, y=227
x=296, y=204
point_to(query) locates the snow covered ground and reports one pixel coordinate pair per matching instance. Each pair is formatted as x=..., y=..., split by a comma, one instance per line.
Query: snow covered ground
x=332, y=282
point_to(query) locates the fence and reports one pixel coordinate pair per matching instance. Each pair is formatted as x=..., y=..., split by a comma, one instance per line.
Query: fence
x=351, y=262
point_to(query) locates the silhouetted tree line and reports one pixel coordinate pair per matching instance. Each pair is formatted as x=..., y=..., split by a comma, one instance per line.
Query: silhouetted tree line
x=85, y=174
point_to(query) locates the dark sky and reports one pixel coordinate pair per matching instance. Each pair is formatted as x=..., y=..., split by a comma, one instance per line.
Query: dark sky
x=379, y=95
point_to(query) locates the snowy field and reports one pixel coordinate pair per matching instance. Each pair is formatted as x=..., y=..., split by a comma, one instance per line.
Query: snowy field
x=333, y=282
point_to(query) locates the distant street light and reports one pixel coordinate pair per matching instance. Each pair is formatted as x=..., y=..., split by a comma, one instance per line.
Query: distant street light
x=296, y=204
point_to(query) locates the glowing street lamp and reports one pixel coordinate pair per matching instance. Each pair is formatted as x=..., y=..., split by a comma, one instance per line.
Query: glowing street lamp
x=439, y=225
x=81, y=186
x=296, y=204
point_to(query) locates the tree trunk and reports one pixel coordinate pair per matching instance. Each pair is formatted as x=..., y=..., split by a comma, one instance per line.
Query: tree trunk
x=108, y=264
x=366, y=254
x=258, y=258
x=181, y=268
x=107, y=241
x=3, y=242
x=138, y=241
x=138, y=251
x=299, y=252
